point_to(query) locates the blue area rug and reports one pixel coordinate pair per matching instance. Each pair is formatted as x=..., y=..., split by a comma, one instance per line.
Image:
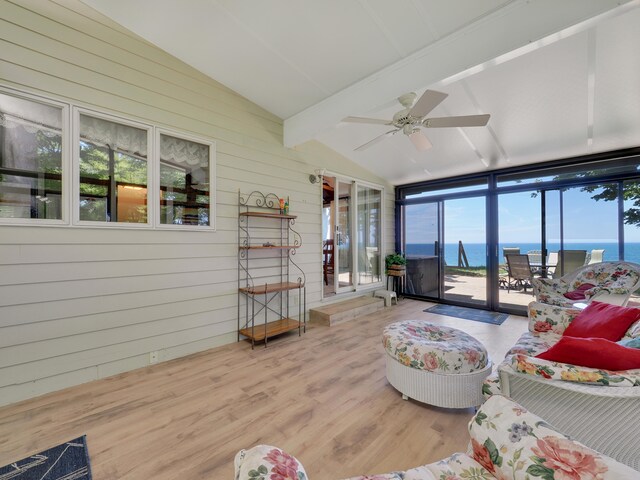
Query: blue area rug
x=474, y=314
x=68, y=461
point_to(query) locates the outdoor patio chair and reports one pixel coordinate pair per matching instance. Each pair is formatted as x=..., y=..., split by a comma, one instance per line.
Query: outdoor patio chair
x=569, y=261
x=552, y=261
x=535, y=256
x=597, y=256
x=510, y=251
x=519, y=269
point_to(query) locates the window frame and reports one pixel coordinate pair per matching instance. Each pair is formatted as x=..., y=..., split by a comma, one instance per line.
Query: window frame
x=65, y=161
x=212, y=180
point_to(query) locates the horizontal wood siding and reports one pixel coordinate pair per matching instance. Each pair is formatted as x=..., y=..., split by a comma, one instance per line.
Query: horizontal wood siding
x=77, y=304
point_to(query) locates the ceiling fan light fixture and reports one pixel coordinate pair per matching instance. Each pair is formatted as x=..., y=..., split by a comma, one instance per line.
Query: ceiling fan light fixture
x=413, y=116
x=407, y=100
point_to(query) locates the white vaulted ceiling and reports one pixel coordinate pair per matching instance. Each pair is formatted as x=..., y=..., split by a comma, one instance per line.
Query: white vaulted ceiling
x=558, y=78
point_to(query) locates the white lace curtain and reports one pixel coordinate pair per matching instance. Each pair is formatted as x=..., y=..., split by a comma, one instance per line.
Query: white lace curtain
x=32, y=116
x=20, y=121
x=181, y=152
x=117, y=136
x=134, y=140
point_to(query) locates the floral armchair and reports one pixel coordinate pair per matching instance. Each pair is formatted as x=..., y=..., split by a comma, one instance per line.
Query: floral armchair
x=507, y=442
x=613, y=282
x=596, y=407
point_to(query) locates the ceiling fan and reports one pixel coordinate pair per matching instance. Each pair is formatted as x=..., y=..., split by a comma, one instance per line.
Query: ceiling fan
x=411, y=118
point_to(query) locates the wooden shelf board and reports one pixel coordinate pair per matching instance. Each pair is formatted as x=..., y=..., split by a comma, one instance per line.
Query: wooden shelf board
x=271, y=287
x=273, y=328
x=272, y=247
x=267, y=215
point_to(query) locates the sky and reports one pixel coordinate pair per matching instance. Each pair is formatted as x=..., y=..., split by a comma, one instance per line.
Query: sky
x=585, y=220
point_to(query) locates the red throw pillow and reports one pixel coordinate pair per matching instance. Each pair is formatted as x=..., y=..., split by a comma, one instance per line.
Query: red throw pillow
x=594, y=353
x=579, y=293
x=601, y=320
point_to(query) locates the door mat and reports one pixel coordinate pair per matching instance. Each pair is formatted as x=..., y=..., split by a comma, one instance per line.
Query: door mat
x=474, y=314
x=68, y=461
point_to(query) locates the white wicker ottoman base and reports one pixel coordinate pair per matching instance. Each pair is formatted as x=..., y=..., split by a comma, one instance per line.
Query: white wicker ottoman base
x=455, y=390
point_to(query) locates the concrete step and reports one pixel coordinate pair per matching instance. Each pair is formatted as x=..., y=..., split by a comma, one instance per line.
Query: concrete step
x=346, y=310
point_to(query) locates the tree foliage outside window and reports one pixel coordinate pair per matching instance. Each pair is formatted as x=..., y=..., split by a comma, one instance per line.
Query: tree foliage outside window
x=97, y=185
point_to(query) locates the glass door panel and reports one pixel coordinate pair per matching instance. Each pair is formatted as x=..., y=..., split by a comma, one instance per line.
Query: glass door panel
x=422, y=249
x=519, y=233
x=465, y=250
x=553, y=230
x=369, y=227
x=344, y=261
x=328, y=235
x=632, y=221
x=590, y=224
x=582, y=222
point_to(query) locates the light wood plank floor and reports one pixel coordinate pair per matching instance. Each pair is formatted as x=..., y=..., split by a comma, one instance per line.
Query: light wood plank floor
x=322, y=397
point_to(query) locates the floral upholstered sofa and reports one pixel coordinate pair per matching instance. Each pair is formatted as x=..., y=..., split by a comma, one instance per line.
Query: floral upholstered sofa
x=507, y=442
x=610, y=282
x=595, y=406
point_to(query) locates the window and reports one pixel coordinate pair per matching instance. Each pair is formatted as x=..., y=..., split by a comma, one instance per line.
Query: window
x=559, y=216
x=121, y=176
x=31, y=159
x=113, y=171
x=185, y=181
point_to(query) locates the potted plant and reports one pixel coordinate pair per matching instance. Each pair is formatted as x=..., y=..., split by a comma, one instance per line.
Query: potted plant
x=396, y=264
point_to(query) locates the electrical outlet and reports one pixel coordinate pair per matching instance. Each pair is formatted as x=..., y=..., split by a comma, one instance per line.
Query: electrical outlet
x=153, y=357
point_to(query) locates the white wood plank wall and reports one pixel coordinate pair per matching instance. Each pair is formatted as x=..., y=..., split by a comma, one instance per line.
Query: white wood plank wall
x=78, y=304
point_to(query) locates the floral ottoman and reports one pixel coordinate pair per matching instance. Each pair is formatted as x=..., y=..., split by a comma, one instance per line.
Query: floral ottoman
x=434, y=364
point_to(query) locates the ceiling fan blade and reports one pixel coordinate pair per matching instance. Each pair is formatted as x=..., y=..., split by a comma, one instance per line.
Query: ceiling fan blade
x=379, y=138
x=419, y=141
x=429, y=100
x=462, y=121
x=376, y=121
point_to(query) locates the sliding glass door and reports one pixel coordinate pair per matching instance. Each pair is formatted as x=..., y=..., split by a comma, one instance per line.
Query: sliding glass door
x=352, y=235
x=465, y=251
x=460, y=234
x=446, y=250
x=422, y=247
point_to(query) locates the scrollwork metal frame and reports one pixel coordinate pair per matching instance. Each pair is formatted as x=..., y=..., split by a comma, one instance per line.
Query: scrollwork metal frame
x=292, y=239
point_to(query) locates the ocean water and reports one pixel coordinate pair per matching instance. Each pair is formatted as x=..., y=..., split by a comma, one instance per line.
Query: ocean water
x=476, y=252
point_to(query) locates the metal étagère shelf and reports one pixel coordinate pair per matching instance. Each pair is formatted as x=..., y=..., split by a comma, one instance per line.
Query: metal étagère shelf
x=270, y=284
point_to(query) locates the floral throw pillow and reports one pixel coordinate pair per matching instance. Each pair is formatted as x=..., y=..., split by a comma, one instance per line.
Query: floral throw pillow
x=510, y=442
x=264, y=462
